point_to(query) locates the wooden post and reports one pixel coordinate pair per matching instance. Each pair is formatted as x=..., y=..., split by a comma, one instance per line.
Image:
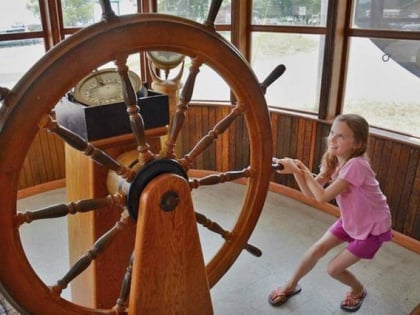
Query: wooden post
x=169, y=274
x=99, y=286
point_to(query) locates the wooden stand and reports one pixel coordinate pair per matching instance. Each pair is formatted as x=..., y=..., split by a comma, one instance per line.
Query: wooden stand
x=100, y=284
x=169, y=274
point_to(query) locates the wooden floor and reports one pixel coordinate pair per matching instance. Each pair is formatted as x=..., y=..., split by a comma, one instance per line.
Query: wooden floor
x=285, y=230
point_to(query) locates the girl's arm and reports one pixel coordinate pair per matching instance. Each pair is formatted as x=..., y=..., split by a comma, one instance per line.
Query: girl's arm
x=303, y=186
x=314, y=185
x=290, y=167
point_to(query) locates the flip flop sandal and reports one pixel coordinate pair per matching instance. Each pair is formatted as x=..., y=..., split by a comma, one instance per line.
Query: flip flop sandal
x=351, y=303
x=283, y=297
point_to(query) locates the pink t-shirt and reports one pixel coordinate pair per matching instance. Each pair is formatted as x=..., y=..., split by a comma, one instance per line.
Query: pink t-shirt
x=364, y=208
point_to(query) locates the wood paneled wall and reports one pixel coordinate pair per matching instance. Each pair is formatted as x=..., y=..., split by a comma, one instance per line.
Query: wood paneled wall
x=397, y=163
x=44, y=161
x=398, y=170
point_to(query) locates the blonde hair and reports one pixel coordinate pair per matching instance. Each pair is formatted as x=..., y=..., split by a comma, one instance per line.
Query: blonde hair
x=360, y=128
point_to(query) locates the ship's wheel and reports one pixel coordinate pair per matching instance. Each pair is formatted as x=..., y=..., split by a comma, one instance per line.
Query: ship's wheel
x=167, y=187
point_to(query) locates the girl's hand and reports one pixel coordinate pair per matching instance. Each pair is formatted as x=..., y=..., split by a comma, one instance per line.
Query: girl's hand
x=302, y=167
x=289, y=166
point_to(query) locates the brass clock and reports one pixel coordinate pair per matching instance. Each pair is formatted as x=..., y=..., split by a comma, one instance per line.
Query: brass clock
x=103, y=87
x=165, y=60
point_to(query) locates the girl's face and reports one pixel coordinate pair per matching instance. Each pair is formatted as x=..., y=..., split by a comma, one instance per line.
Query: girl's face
x=341, y=142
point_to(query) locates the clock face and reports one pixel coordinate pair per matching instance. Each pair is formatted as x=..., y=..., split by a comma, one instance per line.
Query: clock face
x=165, y=59
x=103, y=87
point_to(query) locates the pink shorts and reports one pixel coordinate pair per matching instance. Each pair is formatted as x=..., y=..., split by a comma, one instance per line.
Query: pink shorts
x=366, y=248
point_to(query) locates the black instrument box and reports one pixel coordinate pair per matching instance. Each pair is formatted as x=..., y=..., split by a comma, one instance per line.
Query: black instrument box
x=104, y=121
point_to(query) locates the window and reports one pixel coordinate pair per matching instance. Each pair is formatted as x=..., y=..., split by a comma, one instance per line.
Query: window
x=302, y=54
x=18, y=49
x=195, y=10
x=299, y=12
x=23, y=54
x=22, y=37
x=290, y=33
x=209, y=86
x=400, y=15
x=383, y=73
x=381, y=86
x=81, y=13
x=19, y=16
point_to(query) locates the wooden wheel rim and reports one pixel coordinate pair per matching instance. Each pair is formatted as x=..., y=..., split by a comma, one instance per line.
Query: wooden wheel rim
x=61, y=69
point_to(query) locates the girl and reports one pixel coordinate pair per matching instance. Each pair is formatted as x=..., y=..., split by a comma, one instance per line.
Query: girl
x=365, y=221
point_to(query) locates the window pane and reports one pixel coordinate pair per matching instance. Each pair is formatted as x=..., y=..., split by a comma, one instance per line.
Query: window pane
x=296, y=12
x=121, y=7
x=383, y=83
x=298, y=87
x=209, y=85
x=395, y=15
x=195, y=10
x=80, y=13
x=84, y=12
x=17, y=57
x=19, y=16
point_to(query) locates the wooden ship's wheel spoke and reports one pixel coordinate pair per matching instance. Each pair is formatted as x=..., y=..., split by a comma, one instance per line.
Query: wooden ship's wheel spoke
x=87, y=148
x=218, y=178
x=122, y=301
x=61, y=210
x=182, y=107
x=226, y=235
x=157, y=186
x=136, y=120
x=207, y=140
x=97, y=249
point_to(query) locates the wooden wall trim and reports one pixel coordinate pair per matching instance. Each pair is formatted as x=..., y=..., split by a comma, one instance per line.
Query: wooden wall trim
x=44, y=187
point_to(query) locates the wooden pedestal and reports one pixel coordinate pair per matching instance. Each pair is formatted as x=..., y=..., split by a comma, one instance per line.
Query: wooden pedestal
x=169, y=275
x=100, y=284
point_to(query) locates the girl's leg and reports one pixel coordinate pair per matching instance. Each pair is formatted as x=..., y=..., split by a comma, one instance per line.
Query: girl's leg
x=337, y=268
x=309, y=260
x=311, y=257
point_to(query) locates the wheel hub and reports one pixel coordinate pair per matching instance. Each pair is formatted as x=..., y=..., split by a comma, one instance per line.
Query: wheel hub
x=147, y=174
